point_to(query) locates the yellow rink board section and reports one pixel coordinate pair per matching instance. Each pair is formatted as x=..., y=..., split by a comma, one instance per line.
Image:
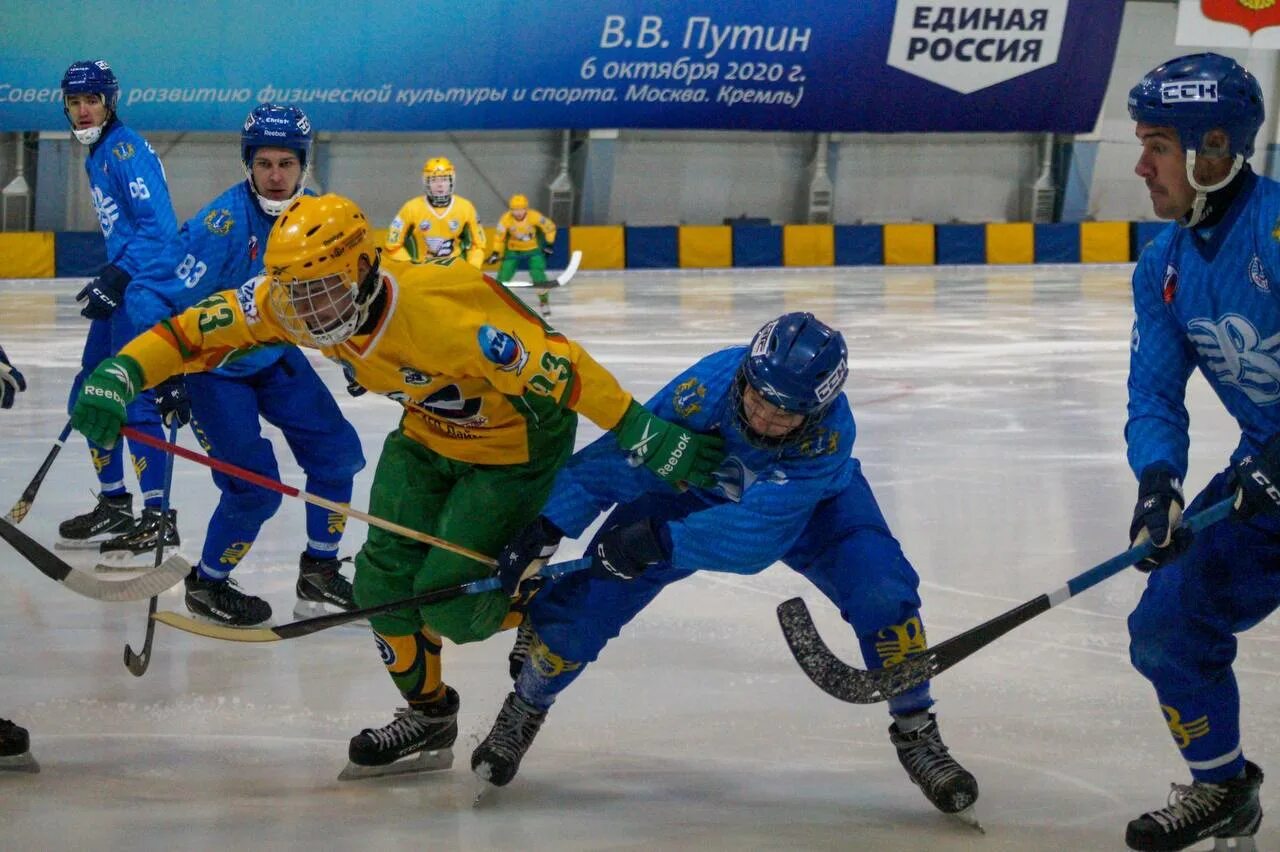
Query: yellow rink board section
x=26, y=255
x=706, y=246
x=1104, y=242
x=1011, y=242
x=909, y=245
x=808, y=245
x=602, y=246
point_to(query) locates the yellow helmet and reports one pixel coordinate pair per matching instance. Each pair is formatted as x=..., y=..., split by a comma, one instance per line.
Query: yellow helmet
x=438, y=167
x=518, y=202
x=312, y=265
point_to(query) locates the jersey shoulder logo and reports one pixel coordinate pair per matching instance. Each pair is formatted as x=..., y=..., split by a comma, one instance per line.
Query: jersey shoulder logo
x=246, y=297
x=123, y=150
x=1236, y=355
x=1258, y=275
x=414, y=377
x=219, y=222
x=505, y=350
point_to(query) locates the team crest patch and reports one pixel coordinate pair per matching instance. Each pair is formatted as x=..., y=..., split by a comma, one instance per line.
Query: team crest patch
x=424, y=225
x=688, y=397
x=414, y=377
x=253, y=248
x=219, y=222
x=1170, y=286
x=503, y=349
x=453, y=224
x=123, y=151
x=1258, y=275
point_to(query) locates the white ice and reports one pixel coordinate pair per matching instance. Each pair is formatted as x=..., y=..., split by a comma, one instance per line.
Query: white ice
x=990, y=403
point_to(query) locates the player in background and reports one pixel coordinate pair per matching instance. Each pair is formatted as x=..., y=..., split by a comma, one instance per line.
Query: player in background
x=437, y=223
x=15, y=742
x=491, y=398
x=788, y=491
x=131, y=199
x=1205, y=296
x=221, y=248
x=525, y=236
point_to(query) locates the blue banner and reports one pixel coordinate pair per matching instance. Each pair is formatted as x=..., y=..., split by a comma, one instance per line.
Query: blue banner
x=821, y=65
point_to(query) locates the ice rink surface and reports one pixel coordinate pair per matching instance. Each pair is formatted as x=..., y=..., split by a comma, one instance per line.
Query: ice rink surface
x=989, y=402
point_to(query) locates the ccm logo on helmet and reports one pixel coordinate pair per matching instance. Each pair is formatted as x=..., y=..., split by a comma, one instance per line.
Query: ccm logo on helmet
x=1194, y=90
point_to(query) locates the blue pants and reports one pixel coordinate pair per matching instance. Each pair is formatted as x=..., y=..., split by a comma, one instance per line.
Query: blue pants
x=846, y=550
x=1182, y=633
x=289, y=395
x=106, y=338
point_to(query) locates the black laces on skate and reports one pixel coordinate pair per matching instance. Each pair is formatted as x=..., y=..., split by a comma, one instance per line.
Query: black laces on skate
x=1188, y=803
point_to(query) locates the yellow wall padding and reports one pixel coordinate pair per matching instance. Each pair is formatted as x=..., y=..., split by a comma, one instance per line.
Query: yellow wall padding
x=908, y=245
x=1011, y=242
x=602, y=246
x=706, y=246
x=808, y=245
x=26, y=255
x=1104, y=242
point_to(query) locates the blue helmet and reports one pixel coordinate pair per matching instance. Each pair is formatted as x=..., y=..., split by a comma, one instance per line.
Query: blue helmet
x=797, y=363
x=92, y=77
x=1198, y=93
x=276, y=126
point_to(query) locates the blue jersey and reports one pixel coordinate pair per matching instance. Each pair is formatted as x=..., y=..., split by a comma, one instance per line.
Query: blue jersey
x=219, y=248
x=130, y=196
x=763, y=498
x=1208, y=301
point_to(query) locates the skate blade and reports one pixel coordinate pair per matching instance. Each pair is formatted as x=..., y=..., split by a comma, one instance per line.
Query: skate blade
x=1235, y=844
x=303, y=610
x=81, y=543
x=19, y=763
x=424, y=761
x=482, y=786
x=127, y=560
x=969, y=818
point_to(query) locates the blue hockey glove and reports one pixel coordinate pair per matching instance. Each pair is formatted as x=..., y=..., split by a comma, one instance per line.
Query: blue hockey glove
x=527, y=553
x=674, y=453
x=353, y=387
x=1258, y=481
x=101, y=296
x=624, y=552
x=173, y=401
x=1158, y=515
x=11, y=381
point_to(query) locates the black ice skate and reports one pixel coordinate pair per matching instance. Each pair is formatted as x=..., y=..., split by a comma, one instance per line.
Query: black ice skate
x=497, y=759
x=135, y=550
x=112, y=516
x=949, y=786
x=419, y=739
x=520, y=650
x=319, y=583
x=15, y=749
x=544, y=304
x=222, y=602
x=1229, y=812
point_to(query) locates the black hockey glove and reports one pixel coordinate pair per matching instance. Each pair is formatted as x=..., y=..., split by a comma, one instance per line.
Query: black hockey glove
x=101, y=296
x=1258, y=481
x=491, y=259
x=11, y=381
x=623, y=553
x=548, y=250
x=527, y=553
x=353, y=387
x=173, y=401
x=1158, y=516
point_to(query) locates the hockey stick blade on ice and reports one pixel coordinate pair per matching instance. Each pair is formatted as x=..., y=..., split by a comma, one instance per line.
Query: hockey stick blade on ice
x=137, y=662
x=560, y=280
x=307, y=626
x=20, y=509
x=858, y=686
x=169, y=574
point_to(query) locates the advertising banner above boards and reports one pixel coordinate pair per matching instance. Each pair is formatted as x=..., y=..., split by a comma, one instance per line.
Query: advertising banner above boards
x=823, y=65
x=1229, y=23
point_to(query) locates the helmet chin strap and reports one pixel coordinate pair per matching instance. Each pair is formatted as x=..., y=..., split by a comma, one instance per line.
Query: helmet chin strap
x=1198, y=211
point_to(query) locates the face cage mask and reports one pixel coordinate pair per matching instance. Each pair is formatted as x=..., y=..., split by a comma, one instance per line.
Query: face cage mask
x=803, y=432
x=318, y=312
x=438, y=200
x=270, y=206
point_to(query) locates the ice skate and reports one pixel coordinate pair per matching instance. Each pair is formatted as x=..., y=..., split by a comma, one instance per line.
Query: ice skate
x=321, y=589
x=111, y=517
x=15, y=749
x=497, y=759
x=135, y=549
x=417, y=740
x=222, y=602
x=949, y=786
x=520, y=650
x=1228, y=811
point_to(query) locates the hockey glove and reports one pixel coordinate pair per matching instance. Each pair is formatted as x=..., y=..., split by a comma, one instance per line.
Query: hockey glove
x=11, y=381
x=353, y=387
x=101, y=296
x=675, y=454
x=1157, y=516
x=99, y=412
x=527, y=553
x=548, y=250
x=623, y=553
x=173, y=401
x=491, y=259
x=1258, y=481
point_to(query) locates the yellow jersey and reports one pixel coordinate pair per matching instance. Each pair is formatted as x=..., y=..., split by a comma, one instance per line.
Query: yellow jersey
x=421, y=232
x=522, y=235
x=478, y=373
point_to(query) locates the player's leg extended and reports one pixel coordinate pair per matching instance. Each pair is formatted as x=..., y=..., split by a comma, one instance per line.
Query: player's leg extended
x=537, y=266
x=507, y=269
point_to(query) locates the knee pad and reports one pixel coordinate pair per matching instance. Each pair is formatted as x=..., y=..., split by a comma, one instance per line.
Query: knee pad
x=251, y=505
x=469, y=618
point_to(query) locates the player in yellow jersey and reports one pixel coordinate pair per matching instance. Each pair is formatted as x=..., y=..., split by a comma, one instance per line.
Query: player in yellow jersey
x=524, y=235
x=491, y=397
x=437, y=223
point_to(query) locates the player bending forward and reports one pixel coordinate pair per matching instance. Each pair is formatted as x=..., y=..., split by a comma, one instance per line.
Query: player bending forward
x=789, y=490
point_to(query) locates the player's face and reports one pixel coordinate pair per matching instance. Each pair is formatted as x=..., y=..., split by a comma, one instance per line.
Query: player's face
x=519, y=213
x=765, y=418
x=1163, y=165
x=322, y=304
x=441, y=185
x=276, y=172
x=86, y=111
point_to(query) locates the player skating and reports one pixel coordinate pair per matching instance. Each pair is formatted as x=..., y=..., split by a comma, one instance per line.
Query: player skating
x=524, y=236
x=437, y=223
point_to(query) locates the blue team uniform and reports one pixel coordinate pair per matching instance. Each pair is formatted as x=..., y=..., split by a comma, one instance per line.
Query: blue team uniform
x=808, y=506
x=131, y=198
x=221, y=247
x=1207, y=298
